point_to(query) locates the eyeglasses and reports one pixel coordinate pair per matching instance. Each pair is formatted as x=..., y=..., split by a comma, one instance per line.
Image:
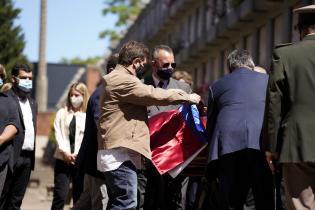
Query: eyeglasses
x=166, y=65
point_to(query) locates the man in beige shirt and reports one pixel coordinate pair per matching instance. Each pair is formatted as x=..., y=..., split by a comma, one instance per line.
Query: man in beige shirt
x=124, y=134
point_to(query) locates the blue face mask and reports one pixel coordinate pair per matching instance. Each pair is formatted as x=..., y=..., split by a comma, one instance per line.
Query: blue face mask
x=25, y=85
x=1, y=82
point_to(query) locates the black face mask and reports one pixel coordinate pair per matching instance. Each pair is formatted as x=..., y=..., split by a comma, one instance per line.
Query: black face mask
x=165, y=74
x=140, y=71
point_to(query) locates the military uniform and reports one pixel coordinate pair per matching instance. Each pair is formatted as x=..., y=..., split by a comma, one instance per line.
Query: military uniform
x=290, y=114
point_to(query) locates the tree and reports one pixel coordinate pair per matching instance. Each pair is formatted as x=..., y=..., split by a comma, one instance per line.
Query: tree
x=126, y=10
x=11, y=36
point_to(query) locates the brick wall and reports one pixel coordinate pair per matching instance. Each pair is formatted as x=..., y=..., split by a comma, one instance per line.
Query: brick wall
x=44, y=123
x=93, y=76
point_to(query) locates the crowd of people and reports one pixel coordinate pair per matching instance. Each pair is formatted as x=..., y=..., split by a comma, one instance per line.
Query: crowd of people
x=259, y=127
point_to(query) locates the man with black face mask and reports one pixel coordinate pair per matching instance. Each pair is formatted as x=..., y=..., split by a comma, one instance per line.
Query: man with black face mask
x=156, y=191
x=24, y=142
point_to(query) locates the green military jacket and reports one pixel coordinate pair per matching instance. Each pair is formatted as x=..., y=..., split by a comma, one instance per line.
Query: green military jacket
x=290, y=104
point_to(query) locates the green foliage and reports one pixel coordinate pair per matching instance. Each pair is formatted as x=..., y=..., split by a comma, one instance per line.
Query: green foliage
x=126, y=10
x=78, y=60
x=11, y=36
x=110, y=33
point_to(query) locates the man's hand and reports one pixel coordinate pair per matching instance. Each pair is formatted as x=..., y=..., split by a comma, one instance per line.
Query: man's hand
x=272, y=161
x=194, y=98
x=202, y=109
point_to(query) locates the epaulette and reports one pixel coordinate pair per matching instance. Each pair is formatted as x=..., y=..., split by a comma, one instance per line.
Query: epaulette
x=283, y=45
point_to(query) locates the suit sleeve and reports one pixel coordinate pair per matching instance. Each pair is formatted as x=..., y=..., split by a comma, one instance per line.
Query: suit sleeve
x=274, y=100
x=212, y=113
x=88, y=133
x=13, y=118
x=135, y=92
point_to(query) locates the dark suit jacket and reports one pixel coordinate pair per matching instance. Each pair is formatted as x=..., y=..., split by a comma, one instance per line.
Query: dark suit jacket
x=173, y=84
x=290, y=110
x=86, y=161
x=18, y=140
x=8, y=116
x=236, y=111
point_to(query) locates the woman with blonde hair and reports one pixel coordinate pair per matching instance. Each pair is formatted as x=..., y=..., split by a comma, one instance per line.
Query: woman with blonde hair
x=69, y=129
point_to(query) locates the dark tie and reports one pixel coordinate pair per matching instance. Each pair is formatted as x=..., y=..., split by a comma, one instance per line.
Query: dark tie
x=161, y=84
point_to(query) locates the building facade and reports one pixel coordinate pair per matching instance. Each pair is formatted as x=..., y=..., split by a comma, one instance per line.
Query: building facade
x=203, y=32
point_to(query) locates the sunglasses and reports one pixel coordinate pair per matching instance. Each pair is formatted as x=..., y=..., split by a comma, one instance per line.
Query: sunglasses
x=166, y=65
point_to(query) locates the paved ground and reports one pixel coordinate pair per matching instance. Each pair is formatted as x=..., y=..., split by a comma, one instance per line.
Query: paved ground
x=36, y=200
x=37, y=197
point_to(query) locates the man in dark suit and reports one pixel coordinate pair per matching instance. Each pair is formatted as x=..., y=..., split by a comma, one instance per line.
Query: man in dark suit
x=235, y=118
x=156, y=191
x=290, y=114
x=24, y=142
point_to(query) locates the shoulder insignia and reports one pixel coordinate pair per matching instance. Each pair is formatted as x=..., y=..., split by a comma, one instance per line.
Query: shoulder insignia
x=283, y=45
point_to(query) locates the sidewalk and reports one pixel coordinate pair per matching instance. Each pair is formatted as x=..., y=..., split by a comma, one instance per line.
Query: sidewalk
x=37, y=199
x=37, y=196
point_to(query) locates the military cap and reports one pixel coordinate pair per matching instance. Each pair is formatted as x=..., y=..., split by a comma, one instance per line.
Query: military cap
x=306, y=9
x=306, y=16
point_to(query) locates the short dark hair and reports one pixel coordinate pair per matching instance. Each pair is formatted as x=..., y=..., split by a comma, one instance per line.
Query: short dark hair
x=20, y=67
x=161, y=47
x=132, y=50
x=112, y=62
x=239, y=58
x=306, y=20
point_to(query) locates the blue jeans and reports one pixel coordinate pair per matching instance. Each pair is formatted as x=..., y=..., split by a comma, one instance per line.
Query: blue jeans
x=122, y=187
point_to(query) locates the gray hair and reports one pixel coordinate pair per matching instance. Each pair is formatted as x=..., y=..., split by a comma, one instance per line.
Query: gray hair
x=160, y=47
x=239, y=58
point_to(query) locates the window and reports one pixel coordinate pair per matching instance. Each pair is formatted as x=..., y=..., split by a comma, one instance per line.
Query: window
x=209, y=68
x=278, y=30
x=248, y=42
x=262, y=49
x=192, y=27
x=209, y=14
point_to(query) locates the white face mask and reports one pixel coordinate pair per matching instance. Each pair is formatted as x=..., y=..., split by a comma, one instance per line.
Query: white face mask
x=76, y=101
x=25, y=85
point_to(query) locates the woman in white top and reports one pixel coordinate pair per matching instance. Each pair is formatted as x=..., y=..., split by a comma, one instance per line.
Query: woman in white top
x=69, y=129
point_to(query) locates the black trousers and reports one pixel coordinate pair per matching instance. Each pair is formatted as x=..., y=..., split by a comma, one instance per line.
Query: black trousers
x=63, y=175
x=240, y=171
x=16, y=183
x=160, y=192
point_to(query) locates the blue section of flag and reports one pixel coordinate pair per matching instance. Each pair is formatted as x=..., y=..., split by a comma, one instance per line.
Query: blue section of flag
x=192, y=119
